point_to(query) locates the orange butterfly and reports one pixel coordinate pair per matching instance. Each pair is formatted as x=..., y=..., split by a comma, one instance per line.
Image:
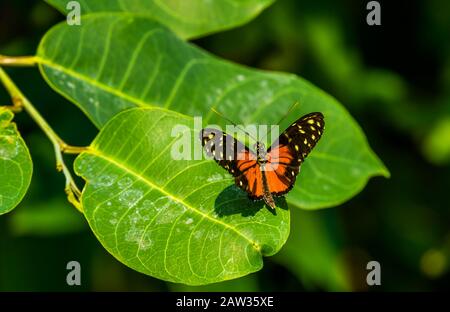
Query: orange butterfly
x=266, y=172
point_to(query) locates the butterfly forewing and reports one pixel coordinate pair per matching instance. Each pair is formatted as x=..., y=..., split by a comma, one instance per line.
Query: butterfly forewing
x=233, y=156
x=290, y=150
x=301, y=137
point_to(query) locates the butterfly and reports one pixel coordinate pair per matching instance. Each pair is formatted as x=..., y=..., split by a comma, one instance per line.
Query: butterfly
x=265, y=173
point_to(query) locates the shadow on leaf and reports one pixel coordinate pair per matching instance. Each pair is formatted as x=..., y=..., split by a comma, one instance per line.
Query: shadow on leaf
x=233, y=200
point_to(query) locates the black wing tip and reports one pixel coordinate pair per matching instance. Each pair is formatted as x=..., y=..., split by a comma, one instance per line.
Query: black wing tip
x=205, y=132
x=314, y=114
x=201, y=135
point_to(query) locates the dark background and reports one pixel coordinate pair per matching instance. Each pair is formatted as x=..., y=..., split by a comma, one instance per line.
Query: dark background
x=393, y=78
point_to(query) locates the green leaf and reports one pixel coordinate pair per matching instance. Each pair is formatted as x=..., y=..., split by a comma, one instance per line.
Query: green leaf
x=188, y=19
x=118, y=61
x=179, y=220
x=15, y=163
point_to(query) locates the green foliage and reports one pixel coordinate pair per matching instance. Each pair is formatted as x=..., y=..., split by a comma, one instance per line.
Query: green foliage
x=188, y=19
x=436, y=147
x=15, y=163
x=139, y=63
x=185, y=221
x=181, y=221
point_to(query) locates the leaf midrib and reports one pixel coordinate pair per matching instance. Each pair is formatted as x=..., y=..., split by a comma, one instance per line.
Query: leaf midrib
x=113, y=161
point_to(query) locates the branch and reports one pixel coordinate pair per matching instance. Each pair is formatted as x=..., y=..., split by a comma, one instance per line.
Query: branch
x=20, y=101
x=17, y=60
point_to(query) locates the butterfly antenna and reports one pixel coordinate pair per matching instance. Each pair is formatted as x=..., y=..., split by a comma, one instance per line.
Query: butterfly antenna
x=288, y=112
x=284, y=116
x=233, y=123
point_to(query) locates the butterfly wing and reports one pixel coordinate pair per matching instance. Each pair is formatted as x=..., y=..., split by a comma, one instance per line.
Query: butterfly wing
x=290, y=150
x=234, y=157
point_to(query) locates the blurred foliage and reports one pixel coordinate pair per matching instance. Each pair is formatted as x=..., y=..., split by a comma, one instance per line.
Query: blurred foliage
x=436, y=145
x=394, y=79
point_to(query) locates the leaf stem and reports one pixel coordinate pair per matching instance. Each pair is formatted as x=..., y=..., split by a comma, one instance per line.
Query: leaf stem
x=20, y=101
x=18, y=60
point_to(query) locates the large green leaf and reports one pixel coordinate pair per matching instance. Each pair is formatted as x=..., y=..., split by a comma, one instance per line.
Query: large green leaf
x=177, y=220
x=113, y=62
x=187, y=18
x=15, y=163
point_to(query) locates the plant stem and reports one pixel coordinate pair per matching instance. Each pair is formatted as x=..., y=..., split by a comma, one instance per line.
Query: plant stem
x=17, y=60
x=19, y=101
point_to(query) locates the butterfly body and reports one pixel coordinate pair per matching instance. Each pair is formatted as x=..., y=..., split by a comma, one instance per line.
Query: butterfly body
x=265, y=173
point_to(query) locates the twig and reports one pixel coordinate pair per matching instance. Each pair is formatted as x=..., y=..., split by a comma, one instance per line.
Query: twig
x=17, y=60
x=20, y=101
